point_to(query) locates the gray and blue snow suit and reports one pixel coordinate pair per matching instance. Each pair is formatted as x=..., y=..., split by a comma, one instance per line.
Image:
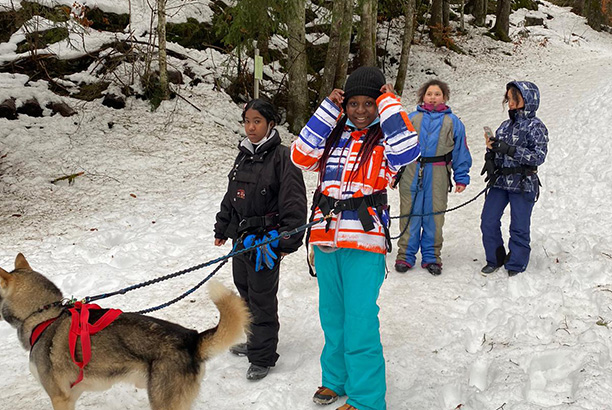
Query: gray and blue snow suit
x=425, y=184
x=516, y=182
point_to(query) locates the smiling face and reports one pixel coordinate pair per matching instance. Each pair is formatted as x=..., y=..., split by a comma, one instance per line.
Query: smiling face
x=434, y=95
x=361, y=110
x=256, y=126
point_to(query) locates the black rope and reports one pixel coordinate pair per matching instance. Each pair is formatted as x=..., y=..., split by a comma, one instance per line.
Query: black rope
x=284, y=234
x=410, y=215
x=224, y=259
x=184, y=295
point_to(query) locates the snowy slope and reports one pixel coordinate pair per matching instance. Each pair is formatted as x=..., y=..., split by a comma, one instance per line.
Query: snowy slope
x=153, y=181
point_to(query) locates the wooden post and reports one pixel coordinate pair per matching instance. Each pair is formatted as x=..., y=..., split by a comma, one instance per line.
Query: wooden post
x=258, y=72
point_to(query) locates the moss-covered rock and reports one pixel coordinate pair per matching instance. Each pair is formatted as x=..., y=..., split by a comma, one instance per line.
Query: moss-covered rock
x=41, y=39
x=12, y=20
x=91, y=91
x=106, y=21
x=47, y=65
x=193, y=34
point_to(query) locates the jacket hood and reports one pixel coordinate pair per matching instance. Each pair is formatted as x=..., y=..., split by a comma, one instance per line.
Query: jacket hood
x=531, y=96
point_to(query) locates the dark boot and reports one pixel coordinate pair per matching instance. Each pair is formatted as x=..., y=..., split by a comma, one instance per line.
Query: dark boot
x=239, y=350
x=434, y=268
x=487, y=269
x=324, y=396
x=402, y=266
x=256, y=372
x=513, y=273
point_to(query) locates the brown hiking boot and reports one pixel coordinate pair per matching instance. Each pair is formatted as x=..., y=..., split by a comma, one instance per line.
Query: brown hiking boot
x=323, y=395
x=347, y=406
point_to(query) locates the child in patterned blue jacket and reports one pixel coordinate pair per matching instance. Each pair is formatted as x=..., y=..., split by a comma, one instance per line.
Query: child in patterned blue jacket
x=513, y=155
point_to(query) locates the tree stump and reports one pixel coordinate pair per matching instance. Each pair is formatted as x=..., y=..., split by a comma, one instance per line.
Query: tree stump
x=31, y=107
x=62, y=108
x=8, y=109
x=114, y=101
x=533, y=21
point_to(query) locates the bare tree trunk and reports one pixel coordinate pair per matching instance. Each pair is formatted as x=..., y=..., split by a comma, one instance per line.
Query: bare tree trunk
x=345, y=44
x=480, y=12
x=595, y=14
x=445, y=13
x=163, y=65
x=409, y=6
x=333, y=49
x=435, y=23
x=502, y=20
x=297, y=113
x=367, y=40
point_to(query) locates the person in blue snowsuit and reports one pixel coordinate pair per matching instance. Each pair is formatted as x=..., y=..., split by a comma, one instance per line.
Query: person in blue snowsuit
x=513, y=156
x=425, y=184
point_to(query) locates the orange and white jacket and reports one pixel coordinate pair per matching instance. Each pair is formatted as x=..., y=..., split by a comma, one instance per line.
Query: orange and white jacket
x=399, y=147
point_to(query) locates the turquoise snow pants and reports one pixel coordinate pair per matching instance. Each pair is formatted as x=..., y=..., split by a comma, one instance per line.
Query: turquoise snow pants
x=352, y=361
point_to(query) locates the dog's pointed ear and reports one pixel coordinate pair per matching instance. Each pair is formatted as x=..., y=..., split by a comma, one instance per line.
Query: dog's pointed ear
x=21, y=262
x=5, y=278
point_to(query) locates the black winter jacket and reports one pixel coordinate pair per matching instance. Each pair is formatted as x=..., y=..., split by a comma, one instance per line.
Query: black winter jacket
x=264, y=184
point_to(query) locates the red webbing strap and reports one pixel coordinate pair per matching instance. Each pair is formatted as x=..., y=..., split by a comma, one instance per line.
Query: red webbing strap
x=38, y=330
x=80, y=327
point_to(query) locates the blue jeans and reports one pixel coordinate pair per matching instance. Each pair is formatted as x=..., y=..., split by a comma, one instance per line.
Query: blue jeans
x=352, y=361
x=521, y=205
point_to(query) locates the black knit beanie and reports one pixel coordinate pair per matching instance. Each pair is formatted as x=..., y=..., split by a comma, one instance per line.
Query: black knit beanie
x=364, y=81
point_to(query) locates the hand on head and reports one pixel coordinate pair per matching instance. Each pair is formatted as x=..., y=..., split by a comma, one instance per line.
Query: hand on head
x=337, y=96
x=387, y=88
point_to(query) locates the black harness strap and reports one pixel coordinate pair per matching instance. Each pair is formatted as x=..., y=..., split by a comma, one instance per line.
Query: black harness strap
x=524, y=171
x=521, y=169
x=446, y=158
x=329, y=205
x=255, y=223
x=359, y=204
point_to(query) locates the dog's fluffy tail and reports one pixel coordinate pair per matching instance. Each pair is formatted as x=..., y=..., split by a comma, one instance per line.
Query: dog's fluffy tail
x=233, y=323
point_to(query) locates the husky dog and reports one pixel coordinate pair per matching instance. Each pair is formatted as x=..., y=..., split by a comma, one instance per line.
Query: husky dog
x=164, y=357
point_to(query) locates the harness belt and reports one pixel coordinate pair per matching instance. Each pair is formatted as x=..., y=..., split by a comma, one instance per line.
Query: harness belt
x=361, y=204
x=328, y=205
x=521, y=169
x=256, y=222
x=446, y=158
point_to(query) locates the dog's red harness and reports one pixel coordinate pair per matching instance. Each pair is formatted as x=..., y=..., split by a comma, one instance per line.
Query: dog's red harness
x=38, y=330
x=80, y=326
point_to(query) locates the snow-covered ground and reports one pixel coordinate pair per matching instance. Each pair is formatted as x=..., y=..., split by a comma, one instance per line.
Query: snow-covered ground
x=152, y=183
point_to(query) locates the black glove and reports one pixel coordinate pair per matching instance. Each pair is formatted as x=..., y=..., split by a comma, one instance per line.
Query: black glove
x=489, y=168
x=502, y=147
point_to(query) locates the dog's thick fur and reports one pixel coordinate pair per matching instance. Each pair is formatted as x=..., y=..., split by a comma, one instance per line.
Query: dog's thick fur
x=164, y=357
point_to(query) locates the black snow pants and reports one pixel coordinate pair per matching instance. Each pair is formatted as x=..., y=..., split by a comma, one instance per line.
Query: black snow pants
x=259, y=290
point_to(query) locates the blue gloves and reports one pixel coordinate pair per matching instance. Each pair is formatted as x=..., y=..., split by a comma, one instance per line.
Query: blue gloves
x=265, y=254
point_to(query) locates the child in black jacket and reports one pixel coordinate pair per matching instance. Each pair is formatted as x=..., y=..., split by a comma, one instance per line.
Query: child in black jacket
x=266, y=195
